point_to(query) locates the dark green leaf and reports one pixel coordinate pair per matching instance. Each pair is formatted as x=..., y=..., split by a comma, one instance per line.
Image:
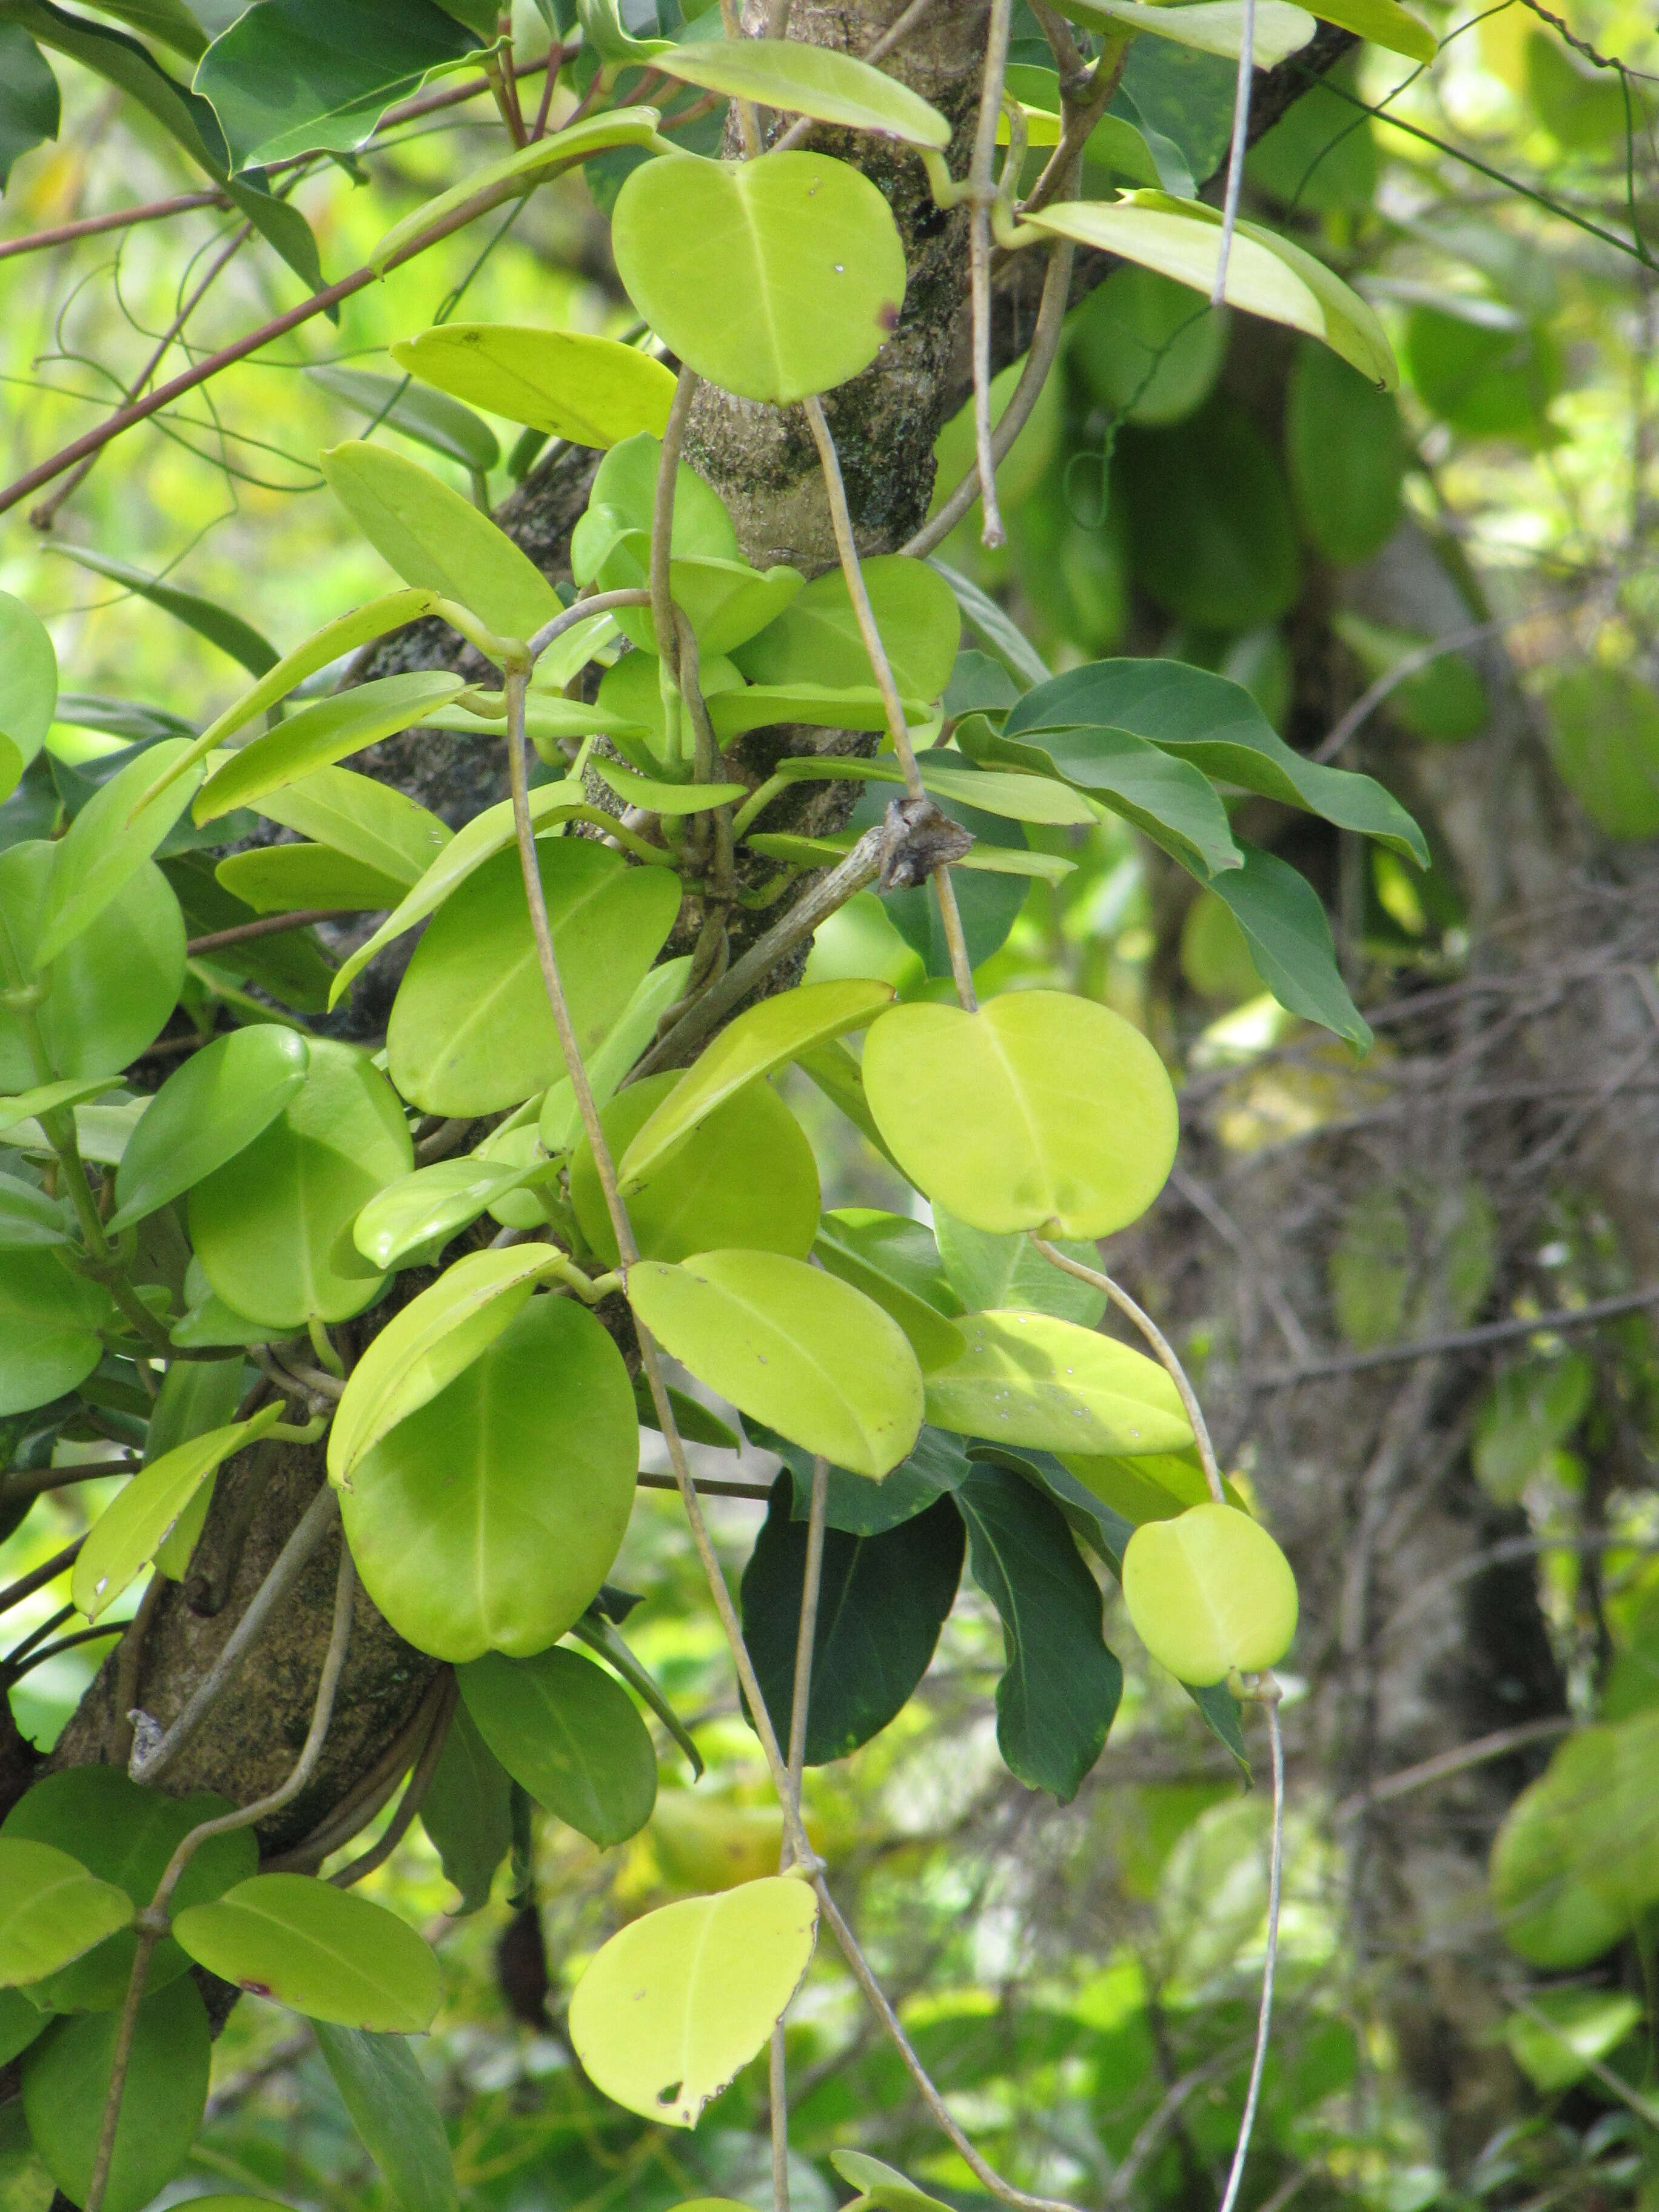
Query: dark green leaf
x=290, y=965
x=1059, y=1695
x=432, y=418
x=66, y=2080
x=1169, y=800
x=1346, y=448
x=1290, y=942
x=466, y=1811
x=382, y=2087
x=883, y=1600
x=1218, y=726
x=29, y=99
x=570, y=1735
x=1209, y=530
x=217, y=624
x=860, y=1508
x=294, y=77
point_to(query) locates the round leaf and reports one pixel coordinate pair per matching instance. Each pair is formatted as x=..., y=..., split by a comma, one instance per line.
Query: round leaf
x=126, y=1835
x=673, y=2006
x=66, y=2080
x=266, y=1225
x=1040, y=1111
x=489, y=1518
x=49, y=1324
x=1030, y=1378
x=814, y=80
x=1210, y=1591
x=323, y=1951
x=792, y=1345
x=52, y=1910
x=762, y=1037
x=472, y=1031
x=746, y=1177
x=591, y=391
x=205, y=1113
x=570, y=1734
x=110, y=991
x=775, y=278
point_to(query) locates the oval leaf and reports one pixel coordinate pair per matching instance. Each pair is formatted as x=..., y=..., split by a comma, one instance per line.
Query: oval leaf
x=1030, y=1378
x=1210, y=1591
x=205, y=1113
x=490, y=1519
x=321, y=1950
x=1212, y=27
x=774, y=278
x=814, y=80
x=673, y=2006
x=66, y=2082
x=571, y=1735
x=1072, y=1126
x=52, y=1910
x=592, y=391
x=134, y=1526
x=800, y=1350
x=321, y=734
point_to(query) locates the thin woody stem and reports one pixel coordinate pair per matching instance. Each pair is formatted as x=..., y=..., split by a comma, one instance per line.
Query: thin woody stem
x=1241, y=141
x=152, y=1921
x=799, y=1703
x=1268, y=1693
x=846, y=545
x=409, y=1804
x=981, y=191
x=1160, y=1344
x=629, y=1250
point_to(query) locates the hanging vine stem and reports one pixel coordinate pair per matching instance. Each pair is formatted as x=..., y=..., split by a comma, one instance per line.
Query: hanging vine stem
x=892, y=706
x=1267, y=1692
x=1236, y=152
x=983, y=190
x=800, y=1703
x=1160, y=1344
x=152, y=1923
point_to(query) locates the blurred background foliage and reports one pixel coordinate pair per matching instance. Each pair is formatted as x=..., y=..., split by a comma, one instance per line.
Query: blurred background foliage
x=1080, y=1980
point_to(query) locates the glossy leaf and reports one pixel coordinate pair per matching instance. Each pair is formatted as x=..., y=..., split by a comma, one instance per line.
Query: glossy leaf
x=1172, y=802
x=762, y=1037
x=431, y=1205
x=205, y=617
x=623, y=500
x=109, y=993
x=138, y=1520
x=1266, y=275
x=745, y=1177
x=883, y=1600
x=427, y=1344
x=125, y=1836
x=489, y=1518
x=1289, y=942
x=1073, y=1129
x=1385, y=23
x=881, y=2186
x=325, y=1951
x=195, y=1395
x=795, y=1347
x=774, y=278
x=394, y=2112
x=986, y=1272
x=937, y=1464
x=1060, y=1693
x=591, y=391
x=1028, y=1379
x=49, y=1324
x=30, y=111
x=367, y=821
x=488, y=832
x=471, y=1031
x=859, y=1254
x=1213, y=27
x=206, y=1113
x=818, y=640
x=467, y=1811
x=53, y=1909
x=66, y=2082
x=430, y=419
x=293, y=878
x=102, y=848
x=660, y=988
x=299, y=76
x=570, y=1735
x=266, y=1226
x=514, y=174
x=29, y=1220
x=438, y=540
x=670, y=2008
x=1214, y=724
x=1210, y=1591
x=321, y=734
x=809, y=80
